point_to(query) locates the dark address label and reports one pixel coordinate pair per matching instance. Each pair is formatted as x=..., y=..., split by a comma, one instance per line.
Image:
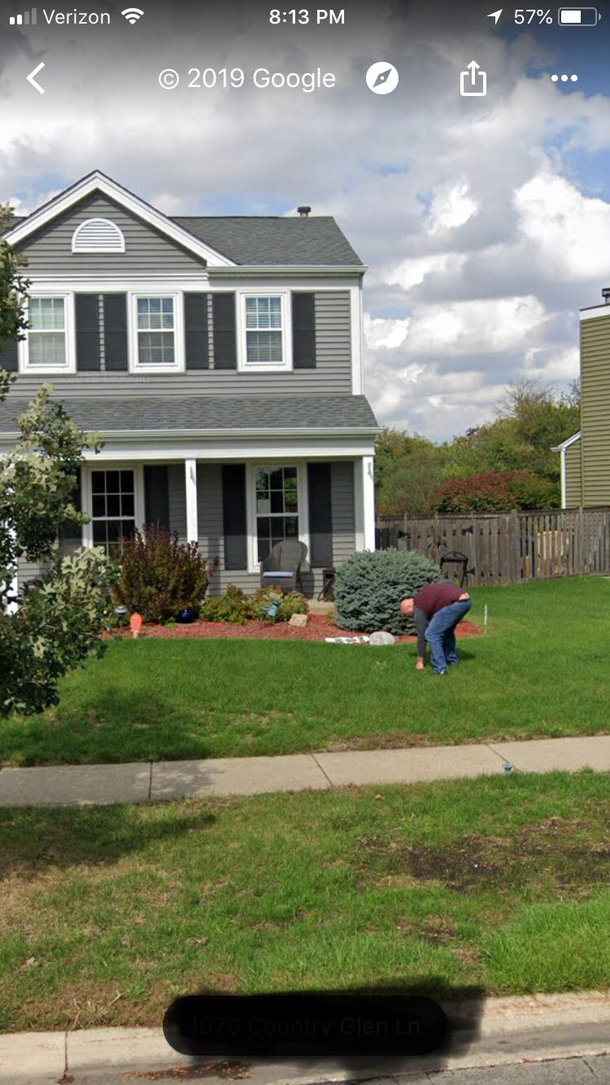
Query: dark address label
x=305, y=1024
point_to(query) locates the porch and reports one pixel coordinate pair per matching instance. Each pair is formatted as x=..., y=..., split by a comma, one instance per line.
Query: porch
x=234, y=509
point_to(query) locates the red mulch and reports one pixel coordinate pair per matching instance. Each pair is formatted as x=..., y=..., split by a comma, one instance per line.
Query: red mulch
x=318, y=627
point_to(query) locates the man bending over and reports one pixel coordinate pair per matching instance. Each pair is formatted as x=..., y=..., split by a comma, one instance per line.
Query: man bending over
x=436, y=610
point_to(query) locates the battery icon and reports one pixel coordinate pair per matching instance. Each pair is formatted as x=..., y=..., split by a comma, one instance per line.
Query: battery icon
x=578, y=16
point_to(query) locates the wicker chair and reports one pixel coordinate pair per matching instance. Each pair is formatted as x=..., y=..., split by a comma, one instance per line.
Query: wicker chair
x=282, y=568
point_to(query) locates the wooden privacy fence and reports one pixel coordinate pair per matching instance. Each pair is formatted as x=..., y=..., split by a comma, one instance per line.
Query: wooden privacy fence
x=507, y=548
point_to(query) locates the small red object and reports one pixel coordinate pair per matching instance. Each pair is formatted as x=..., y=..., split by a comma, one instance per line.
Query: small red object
x=135, y=623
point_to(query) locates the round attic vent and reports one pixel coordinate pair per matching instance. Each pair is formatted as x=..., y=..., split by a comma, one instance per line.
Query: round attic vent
x=98, y=235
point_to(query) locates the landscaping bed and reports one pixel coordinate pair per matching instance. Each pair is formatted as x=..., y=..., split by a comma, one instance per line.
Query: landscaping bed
x=497, y=885
x=319, y=626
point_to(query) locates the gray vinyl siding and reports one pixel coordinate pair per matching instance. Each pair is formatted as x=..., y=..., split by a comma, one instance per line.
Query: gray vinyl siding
x=332, y=375
x=176, y=492
x=49, y=250
x=27, y=570
x=343, y=511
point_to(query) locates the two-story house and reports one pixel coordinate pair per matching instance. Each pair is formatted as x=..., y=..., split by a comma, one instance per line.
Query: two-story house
x=585, y=456
x=221, y=360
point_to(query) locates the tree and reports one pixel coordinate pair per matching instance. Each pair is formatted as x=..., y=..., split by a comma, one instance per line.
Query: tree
x=407, y=470
x=55, y=626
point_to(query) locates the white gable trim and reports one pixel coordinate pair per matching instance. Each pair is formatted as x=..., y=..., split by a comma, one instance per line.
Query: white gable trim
x=99, y=182
x=564, y=476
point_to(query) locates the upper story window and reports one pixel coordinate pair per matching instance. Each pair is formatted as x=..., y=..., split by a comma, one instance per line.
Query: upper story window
x=98, y=235
x=47, y=338
x=156, y=331
x=264, y=320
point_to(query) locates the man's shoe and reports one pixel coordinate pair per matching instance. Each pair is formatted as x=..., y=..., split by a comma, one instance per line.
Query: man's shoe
x=439, y=674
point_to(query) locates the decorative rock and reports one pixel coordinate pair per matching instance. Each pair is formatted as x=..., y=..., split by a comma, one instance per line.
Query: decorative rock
x=381, y=637
x=298, y=620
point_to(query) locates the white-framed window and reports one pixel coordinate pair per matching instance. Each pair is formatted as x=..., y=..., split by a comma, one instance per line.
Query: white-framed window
x=113, y=499
x=49, y=343
x=98, y=235
x=277, y=507
x=157, y=332
x=264, y=319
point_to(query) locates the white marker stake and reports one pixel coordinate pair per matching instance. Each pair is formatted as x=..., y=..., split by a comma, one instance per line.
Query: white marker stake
x=485, y=617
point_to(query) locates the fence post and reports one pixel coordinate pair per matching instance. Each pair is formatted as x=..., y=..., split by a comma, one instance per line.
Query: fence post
x=514, y=548
x=580, y=533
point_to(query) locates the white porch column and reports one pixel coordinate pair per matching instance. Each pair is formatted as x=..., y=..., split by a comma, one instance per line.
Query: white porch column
x=190, y=481
x=365, y=503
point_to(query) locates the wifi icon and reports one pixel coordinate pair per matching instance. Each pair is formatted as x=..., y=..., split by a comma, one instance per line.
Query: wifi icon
x=132, y=14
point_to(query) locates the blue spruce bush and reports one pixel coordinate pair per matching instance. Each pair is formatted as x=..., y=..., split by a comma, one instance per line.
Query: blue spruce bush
x=369, y=586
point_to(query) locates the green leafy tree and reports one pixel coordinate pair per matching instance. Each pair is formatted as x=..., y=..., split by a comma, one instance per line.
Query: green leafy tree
x=407, y=471
x=56, y=626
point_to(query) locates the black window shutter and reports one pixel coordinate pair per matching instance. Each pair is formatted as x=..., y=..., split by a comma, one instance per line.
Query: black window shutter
x=196, y=331
x=225, y=346
x=303, y=331
x=70, y=534
x=156, y=496
x=87, y=314
x=234, y=516
x=115, y=332
x=320, y=516
x=9, y=357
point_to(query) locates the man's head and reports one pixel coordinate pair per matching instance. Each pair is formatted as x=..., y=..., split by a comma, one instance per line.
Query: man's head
x=406, y=607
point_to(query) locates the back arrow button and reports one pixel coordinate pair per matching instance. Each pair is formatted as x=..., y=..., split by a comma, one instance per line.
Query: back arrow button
x=31, y=78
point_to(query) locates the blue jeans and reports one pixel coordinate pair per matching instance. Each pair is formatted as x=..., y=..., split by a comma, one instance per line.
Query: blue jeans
x=440, y=634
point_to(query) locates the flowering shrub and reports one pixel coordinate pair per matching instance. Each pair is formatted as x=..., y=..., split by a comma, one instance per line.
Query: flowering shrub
x=495, y=491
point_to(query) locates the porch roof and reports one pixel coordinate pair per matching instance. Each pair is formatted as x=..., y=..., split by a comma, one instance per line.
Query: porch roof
x=208, y=414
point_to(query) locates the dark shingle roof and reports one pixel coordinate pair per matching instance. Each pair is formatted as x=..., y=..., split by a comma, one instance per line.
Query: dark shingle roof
x=299, y=242
x=171, y=413
x=269, y=240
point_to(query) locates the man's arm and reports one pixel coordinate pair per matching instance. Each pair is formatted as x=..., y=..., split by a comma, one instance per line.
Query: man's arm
x=421, y=624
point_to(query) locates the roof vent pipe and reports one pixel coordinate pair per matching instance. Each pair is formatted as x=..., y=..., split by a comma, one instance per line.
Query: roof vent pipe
x=606, y=295
x=304, y=212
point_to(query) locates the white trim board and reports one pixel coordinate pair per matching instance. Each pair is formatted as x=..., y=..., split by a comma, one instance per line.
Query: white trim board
x=99, y=182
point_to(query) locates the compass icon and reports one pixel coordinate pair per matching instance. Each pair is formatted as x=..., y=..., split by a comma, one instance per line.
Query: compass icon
x=382, y=77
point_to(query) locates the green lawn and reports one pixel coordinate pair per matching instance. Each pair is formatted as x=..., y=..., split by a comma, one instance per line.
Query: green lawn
x=496, y=885
x=541, y=670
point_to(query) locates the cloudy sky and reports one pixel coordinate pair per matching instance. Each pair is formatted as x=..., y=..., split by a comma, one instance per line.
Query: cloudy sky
x=485, y=222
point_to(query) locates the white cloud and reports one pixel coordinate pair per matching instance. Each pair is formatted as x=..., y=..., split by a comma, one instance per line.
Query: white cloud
x=451, y=207
x=387, y=334
x=481, y=243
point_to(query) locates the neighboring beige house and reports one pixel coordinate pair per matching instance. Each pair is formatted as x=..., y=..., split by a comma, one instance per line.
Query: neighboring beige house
x=585, y=456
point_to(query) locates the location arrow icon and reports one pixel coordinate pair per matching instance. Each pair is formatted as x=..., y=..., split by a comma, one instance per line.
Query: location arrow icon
x=495, y=15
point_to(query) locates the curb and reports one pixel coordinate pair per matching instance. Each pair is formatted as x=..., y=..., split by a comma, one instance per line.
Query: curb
x=498, y=1032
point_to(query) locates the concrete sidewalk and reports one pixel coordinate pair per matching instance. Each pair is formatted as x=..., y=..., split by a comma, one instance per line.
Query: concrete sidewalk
x=499, y=1032
x=78, y=785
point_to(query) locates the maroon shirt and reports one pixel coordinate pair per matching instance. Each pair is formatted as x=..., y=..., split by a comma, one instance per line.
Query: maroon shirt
x=434, y=597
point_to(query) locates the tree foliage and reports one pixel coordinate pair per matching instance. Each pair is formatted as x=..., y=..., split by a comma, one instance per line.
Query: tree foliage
x=494, y=491
x=531, y=421
x=56, y=626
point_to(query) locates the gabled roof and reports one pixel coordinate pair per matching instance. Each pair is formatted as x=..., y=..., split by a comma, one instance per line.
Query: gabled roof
x=98, y=182
x=222, y=240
